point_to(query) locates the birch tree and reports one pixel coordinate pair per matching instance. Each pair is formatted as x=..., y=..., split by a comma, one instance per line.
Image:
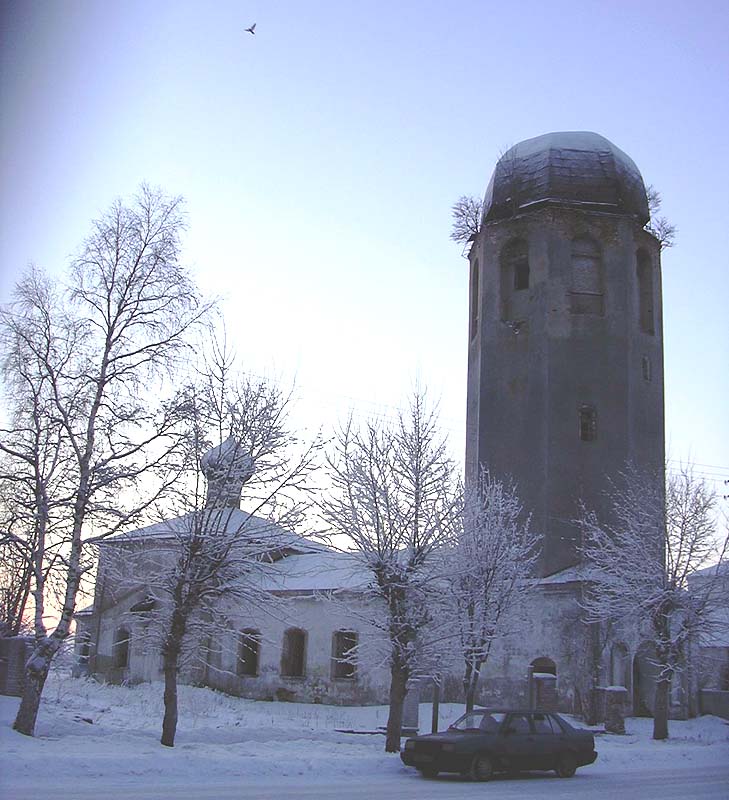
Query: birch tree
x=489, y=567
x=393, y=498
x=639, y=563
x=84, y=364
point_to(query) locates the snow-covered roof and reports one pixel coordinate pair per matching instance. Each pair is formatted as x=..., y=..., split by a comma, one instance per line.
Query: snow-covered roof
x=223, y=521
x=573, y=168
x=316, y=572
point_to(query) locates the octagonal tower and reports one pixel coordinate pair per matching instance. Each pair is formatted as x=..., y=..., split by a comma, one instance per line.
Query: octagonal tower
x=565, y=344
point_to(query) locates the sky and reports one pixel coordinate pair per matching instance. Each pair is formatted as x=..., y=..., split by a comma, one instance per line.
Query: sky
x=319, y=159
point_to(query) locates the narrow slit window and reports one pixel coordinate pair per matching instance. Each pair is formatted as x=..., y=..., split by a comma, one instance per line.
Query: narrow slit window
x=645, y=293
x=647, y=375
x=588, y=423
x=474, y=299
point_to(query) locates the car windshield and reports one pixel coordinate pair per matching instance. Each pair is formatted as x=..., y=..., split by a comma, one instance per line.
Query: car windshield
x=487, y=721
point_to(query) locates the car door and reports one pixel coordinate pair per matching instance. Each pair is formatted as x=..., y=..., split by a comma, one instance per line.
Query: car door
x=547, y=742
x=518, y=742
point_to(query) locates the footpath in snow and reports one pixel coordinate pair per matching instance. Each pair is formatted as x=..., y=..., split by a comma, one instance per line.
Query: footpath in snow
x=91, y=736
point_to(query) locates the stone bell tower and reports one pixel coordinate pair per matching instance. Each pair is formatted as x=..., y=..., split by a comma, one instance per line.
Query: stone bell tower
x=565, y=343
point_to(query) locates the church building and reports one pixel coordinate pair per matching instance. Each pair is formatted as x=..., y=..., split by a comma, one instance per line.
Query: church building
x=564, y=388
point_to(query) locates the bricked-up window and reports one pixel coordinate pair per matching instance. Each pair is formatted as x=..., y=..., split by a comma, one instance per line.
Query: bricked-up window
x=344, y=645
x=588, y=423
x=645, y=292
x=586, y=289
x=249, y=652
x=120, y=652
x=293, y=657
x=474, y=299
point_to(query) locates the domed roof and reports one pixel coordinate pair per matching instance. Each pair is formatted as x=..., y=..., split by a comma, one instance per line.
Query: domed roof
x=572, y=168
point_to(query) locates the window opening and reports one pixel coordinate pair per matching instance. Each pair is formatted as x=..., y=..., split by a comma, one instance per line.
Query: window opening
x=344, y=651
x=294, y=653
x=249, y=652
x=121, y=648
x=544, y=665
x=474, y=299
x=586, y=290
x=645, y=292
x=647, y=375
x=588, y=423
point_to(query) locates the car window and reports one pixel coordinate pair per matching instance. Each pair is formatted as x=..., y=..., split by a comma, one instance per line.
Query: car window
x=519, y=723
x=488, y=721
x=542, y=724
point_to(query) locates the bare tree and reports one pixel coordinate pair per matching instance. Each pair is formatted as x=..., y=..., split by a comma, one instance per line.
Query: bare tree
x=639, y=564
x=393, y=498
x=466, y=213
x=80, y=366
x=660, y=227
x=489, y=568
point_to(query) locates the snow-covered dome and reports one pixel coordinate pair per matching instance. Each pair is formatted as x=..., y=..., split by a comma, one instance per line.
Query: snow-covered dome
x=226, y=467
x=572, y=168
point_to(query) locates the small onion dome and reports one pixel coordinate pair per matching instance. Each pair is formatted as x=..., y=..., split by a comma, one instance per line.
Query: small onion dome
x=578, y=169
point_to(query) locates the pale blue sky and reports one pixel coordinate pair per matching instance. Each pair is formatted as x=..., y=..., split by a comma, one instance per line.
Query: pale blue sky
x=320, y=157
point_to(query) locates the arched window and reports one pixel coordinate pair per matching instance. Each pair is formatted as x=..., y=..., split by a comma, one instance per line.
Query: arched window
x=344, y=651
x=515, y=278
x=249, y=652
x=120, y=651
x=544, y=666
x=474, y=299
x=586, y=283
x=293, y=657
x=645, y=292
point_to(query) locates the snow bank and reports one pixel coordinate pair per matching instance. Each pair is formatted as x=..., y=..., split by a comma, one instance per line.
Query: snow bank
x=226, y=738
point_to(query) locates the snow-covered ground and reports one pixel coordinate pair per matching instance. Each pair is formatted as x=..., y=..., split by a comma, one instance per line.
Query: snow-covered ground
x=230, y=747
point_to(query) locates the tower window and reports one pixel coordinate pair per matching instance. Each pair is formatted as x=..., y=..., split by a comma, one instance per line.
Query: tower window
x=586, y=292
x=474, y=299
x=514, y=279
x=645, y=292
x=647, y=376
x=521, y=275
x=588, y=423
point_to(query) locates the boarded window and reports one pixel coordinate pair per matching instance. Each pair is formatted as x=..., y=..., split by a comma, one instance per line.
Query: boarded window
x=588, y=423
x=474, y=299
x=645, y=292
x=293, y=657
x=249, y=651
x=586, y=286
x=344, y=647
x=120, y=652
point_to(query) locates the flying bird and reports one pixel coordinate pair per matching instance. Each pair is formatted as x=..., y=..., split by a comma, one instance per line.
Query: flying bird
x=252, y=29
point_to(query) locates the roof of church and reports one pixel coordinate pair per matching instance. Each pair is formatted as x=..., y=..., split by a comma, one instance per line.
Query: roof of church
x=571, y=168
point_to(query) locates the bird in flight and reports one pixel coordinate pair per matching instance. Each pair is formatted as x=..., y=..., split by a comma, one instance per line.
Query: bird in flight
x=252, y=29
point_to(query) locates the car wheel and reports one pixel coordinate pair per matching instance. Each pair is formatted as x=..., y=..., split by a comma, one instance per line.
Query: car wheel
x=429, y=772
x=482, y=767
x=566, y=766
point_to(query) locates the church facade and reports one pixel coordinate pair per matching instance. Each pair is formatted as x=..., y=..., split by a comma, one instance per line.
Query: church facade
x=564, y=388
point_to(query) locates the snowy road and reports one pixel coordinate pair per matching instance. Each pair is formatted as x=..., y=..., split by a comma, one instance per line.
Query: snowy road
x=675, y=784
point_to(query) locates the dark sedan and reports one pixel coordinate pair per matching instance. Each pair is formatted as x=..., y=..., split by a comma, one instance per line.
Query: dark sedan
x=482, y=742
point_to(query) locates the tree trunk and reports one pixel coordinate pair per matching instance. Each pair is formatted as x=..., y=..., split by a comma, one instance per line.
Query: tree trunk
x=36, y=672
x=398, y=690
x=169, y=723
x=660, y=708
x=472, y=686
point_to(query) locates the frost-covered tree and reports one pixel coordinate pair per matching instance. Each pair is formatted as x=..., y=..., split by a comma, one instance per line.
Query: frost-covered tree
x=393, y=498
x=639, y=564
x=489, y=567
x=86, y=439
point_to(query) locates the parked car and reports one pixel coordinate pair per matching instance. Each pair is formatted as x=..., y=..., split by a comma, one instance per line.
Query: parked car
x=485, y=741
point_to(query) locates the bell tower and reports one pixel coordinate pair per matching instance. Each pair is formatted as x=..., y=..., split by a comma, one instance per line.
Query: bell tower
x=565, y=343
